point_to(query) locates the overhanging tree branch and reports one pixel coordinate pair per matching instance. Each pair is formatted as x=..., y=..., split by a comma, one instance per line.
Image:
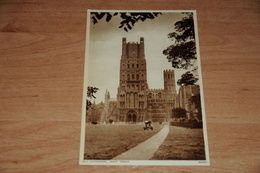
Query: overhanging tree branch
x=128, y=19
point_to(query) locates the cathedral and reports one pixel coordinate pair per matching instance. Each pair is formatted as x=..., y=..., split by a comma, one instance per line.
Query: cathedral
x=135, y=102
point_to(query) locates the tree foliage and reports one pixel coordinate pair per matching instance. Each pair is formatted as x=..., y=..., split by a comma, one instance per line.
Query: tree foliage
x=91, y=91
x=179, y=113
x=187, y=78
x=90, y=94
x=128, y=19
x=94, y=113
x=182, y=52
x=197, y=102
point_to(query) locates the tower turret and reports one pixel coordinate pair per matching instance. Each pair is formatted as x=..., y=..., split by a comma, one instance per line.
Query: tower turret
x=169, y=81
x=124, y=48
x=141, y=48
x=170, y=91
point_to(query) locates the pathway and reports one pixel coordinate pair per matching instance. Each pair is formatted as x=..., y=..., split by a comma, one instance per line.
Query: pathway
x=146, y=149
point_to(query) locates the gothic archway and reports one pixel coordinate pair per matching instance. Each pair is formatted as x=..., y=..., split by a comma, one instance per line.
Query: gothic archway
x=131, y=116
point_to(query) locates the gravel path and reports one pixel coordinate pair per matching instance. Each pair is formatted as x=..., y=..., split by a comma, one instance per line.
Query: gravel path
x=146, y=149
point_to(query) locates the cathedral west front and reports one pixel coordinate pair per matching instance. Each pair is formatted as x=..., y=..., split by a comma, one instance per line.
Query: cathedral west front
x=135, y=102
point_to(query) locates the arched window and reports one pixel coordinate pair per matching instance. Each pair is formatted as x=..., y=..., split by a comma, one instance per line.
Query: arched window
x=137, y=77
x=128, y=77
x=133, y=76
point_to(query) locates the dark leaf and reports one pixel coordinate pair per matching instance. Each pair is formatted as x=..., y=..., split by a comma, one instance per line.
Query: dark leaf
x=129, y=27
x=98, y=15
x=94, y=20
x=109, y=16
x=149, y=15
x=132, y=22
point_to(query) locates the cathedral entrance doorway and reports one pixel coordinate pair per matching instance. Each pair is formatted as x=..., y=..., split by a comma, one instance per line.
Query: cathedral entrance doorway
x=131, y=116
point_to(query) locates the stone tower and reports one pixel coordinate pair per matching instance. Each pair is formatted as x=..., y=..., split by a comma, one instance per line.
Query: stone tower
x=170, y=90
x=131, y=95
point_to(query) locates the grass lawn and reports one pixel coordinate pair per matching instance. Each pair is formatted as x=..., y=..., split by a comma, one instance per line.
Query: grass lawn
x=182, y=144
x=107, y=141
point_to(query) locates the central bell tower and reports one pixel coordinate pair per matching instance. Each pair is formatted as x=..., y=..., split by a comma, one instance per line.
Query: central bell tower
x=131, y=95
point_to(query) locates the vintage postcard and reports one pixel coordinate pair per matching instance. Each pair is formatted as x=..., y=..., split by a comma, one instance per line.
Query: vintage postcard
x=143, y=95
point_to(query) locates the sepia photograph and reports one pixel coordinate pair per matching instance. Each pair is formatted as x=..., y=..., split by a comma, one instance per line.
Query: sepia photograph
x=143, y=98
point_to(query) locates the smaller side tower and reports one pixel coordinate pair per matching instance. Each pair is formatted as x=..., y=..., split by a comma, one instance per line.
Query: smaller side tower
x=169, y=81
x=170, y=91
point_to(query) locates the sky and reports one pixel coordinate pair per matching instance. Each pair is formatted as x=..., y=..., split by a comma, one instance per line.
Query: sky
x=104, y=49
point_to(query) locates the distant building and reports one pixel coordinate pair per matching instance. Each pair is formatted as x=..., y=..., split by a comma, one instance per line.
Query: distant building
x=110, y=108
x=183, y=99
x=135, y=102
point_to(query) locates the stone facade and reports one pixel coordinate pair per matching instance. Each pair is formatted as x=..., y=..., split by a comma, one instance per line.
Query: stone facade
x=135, y=102
x=132, y=96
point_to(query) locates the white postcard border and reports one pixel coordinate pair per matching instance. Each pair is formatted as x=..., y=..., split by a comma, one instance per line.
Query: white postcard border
x=142, y=162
